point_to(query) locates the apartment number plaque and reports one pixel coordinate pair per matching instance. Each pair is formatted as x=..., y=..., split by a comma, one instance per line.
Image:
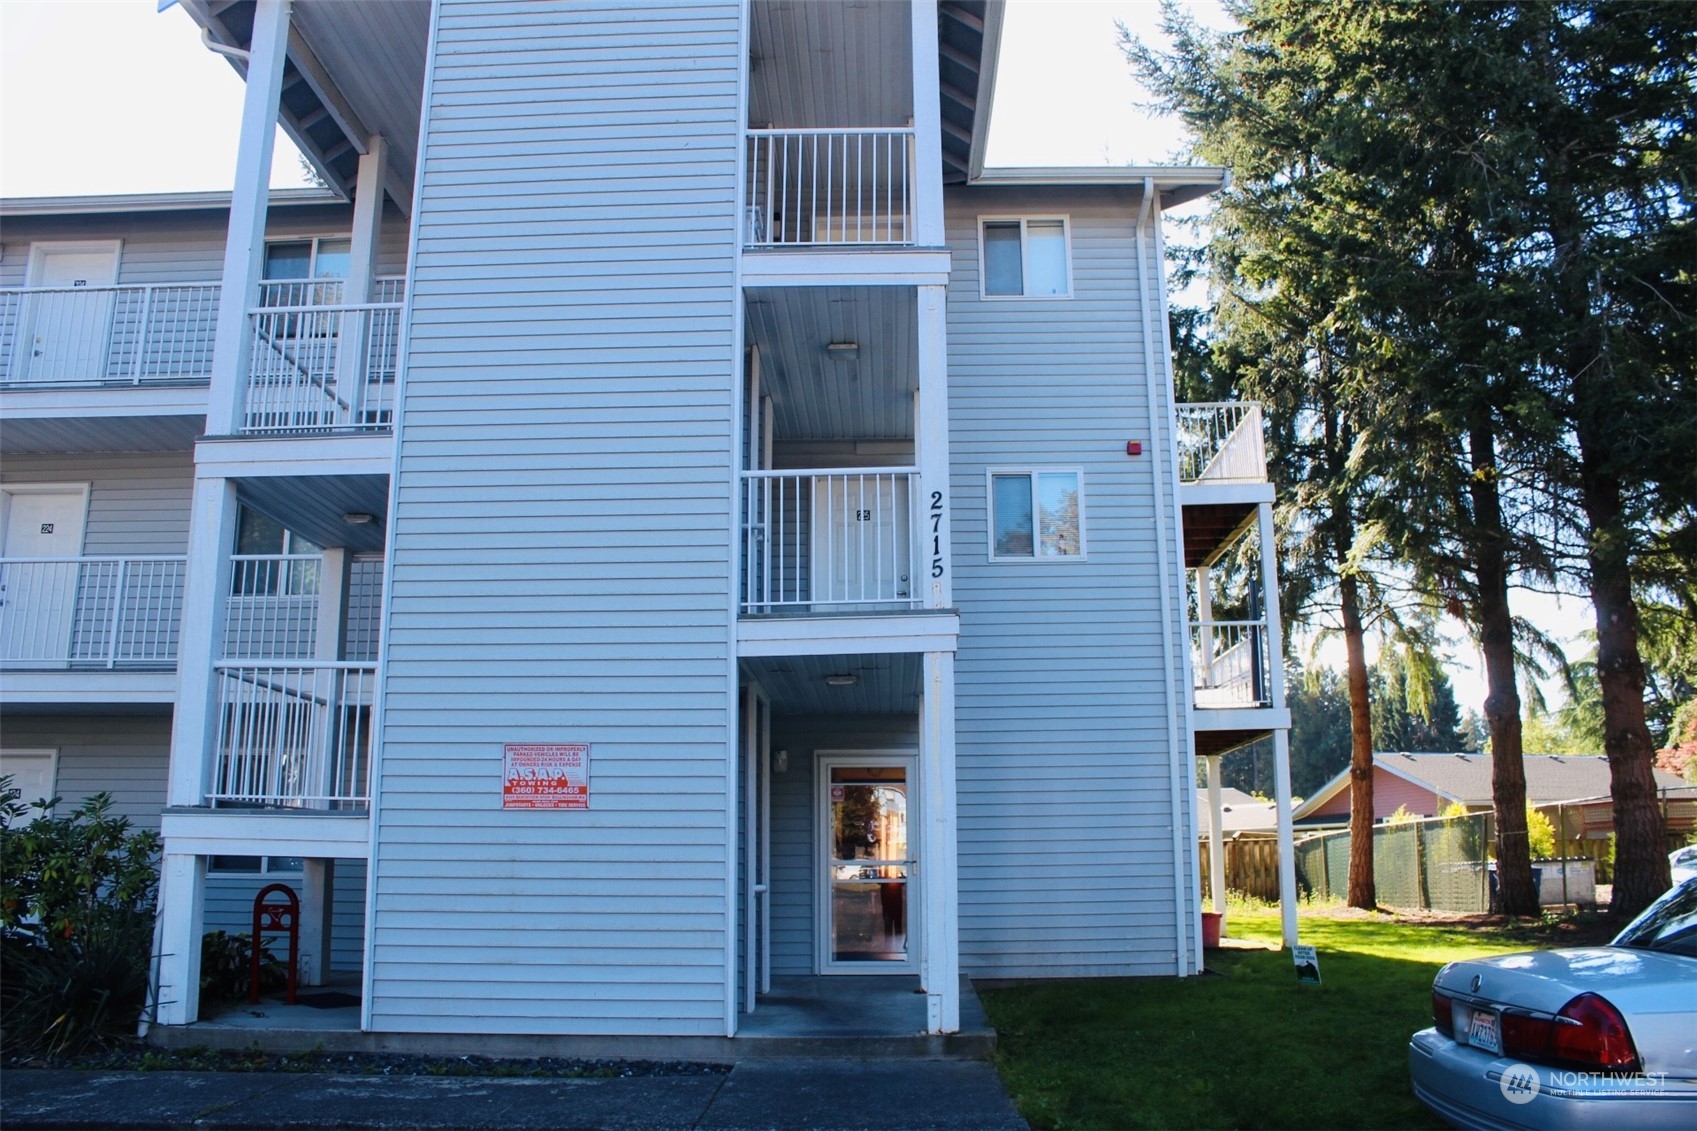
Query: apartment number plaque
x=542, y=775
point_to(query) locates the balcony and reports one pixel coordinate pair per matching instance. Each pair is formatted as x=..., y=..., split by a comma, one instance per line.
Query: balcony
x=317, y=365
x=819, y=543
x=294, y=729
x=1229, y=664
x=90, y=612
x=293, y=736
x=100, y=336
x=830, y=187
x=1221, y=443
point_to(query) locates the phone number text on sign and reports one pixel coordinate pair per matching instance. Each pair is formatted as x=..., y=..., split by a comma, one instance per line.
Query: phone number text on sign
x=545, y=776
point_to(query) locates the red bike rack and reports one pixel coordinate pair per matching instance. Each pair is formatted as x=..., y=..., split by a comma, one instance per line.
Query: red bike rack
x=275, y=918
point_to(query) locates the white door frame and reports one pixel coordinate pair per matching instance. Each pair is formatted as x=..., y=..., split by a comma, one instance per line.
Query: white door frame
x=7, y=490
x=23, y=349
x=906, y=757
x=51, y=753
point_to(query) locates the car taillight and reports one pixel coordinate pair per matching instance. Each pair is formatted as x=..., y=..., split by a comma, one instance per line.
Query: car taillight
x=1443, y=1020
x=1526, y=1038
x=1590, y=1033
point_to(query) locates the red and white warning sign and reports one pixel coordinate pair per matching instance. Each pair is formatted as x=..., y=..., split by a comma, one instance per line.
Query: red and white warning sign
x=546, y=776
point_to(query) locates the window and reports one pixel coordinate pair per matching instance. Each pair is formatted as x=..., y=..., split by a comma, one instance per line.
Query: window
x=308, y=259
x=1036, y=515
x=251, y=865
x=258, y=536
x=1025, y=257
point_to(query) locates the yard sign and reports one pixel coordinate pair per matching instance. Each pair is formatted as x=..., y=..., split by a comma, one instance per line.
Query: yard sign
x=546, y=776
x=1307, y=960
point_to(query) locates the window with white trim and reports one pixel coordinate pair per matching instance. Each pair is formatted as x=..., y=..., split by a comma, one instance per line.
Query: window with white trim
x=1036, y=515
x=254, y=865
x=1025, y=257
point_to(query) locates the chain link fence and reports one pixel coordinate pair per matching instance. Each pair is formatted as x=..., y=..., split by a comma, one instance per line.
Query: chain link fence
x=1436, y=864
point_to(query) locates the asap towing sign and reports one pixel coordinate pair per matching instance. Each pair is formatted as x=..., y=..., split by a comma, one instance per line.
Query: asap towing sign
x=545, y=776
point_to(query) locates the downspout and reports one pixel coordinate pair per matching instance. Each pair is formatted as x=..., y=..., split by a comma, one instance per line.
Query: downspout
x=219, y=48
x=1146, y=212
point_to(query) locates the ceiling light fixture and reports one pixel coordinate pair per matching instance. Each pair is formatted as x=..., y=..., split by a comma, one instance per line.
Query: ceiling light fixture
x=846, y=679
x=359, y=518
x=842, y=351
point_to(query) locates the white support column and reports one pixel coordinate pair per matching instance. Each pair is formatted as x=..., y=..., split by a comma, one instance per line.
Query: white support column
x=362, y=267
x=318, y=898
x=750, y=845
x=927, y=128
x=244, y=247
x=1216, y=838
x=931, y=441
x=1205, y=623
x=368, y=219
x=318, y=886
x=182, y=901
x=1287, y=840
x=200, y=641
x=939, y=883
x=1281, y=738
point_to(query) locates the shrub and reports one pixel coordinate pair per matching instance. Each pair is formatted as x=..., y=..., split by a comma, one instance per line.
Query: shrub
x=77, y=897
x=1540, y=835
x=226, y=967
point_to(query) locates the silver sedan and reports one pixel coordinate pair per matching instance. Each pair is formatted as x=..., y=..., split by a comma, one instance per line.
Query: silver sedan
x=1590, y=1037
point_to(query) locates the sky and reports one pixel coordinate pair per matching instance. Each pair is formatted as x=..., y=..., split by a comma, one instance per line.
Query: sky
x=91, y=93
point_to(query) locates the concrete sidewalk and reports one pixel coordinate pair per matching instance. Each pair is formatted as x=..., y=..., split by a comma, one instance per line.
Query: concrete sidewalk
x=828, y=1095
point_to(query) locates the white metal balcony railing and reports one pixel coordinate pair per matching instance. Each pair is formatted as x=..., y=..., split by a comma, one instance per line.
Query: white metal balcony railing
x=1229, y=663
x=829, y=541
x=1221, y=443
x=127, y=335
x=322, y=368
x=86, y=612
x=830, y=186
x=293, y=735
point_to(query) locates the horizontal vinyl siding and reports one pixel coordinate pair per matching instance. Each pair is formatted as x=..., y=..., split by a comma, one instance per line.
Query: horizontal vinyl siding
x=124, y=755
x=561, y=564
x=184, y=247
x=138, y=501
x=1063, y=753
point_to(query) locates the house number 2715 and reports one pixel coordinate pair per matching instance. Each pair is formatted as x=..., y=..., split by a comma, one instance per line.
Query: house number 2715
x=936, y=534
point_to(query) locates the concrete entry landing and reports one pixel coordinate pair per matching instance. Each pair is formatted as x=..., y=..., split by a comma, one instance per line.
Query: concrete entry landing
x=862, y=1017
x=853, y=1015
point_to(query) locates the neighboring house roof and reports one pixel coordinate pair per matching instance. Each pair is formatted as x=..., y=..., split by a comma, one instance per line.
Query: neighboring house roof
x=1239, y=811
x=1550, y=778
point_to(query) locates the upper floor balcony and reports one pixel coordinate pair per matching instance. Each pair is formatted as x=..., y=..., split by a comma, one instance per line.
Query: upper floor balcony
x=1221, y=442
x=90, y=613
x=316, y=364
x=107, y=335
x=830, y=187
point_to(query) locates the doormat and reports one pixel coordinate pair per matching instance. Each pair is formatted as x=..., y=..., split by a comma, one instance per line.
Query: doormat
x=329, y=999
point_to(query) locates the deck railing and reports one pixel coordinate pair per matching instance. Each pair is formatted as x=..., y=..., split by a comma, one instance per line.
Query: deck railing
x=1221, y=443
x=1229, y=663
x=294, y=735
x=90, y=612
x=322, y=368
x=830, y=186
x=118, y=335
x=829, y=541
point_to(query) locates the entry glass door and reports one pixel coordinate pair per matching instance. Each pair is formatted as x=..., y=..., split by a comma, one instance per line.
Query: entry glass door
x=868, y=868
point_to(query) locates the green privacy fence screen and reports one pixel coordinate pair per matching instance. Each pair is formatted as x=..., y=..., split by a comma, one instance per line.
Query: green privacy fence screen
x=1438, y=864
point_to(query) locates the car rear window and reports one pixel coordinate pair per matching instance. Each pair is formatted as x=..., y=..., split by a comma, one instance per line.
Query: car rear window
x=1670, y=924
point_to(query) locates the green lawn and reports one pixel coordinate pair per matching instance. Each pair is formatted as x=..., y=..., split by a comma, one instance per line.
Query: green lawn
x=1248, y=1048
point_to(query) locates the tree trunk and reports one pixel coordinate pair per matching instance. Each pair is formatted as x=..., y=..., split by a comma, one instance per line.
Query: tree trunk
x=1362, y=892
x=1641, y=870
x=1515, y=893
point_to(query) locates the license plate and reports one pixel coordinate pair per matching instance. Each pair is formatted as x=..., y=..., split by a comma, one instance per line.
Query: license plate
x=1485, y=1032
